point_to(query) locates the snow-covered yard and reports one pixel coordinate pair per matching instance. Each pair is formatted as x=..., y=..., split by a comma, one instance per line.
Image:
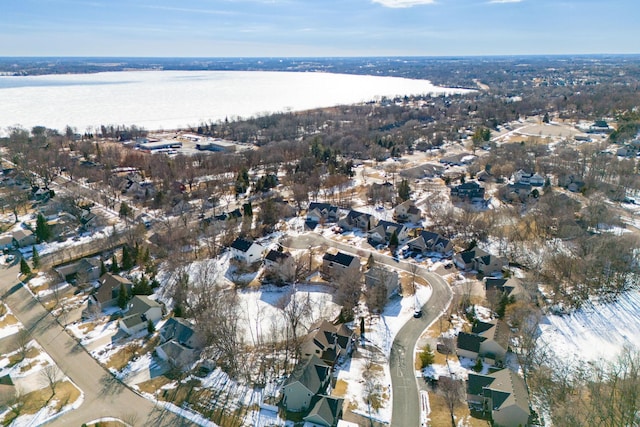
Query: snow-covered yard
x=594, y=332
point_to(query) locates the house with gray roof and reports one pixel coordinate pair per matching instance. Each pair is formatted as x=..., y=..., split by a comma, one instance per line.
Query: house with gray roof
x=430, y=242
x=140, y=310
x=407, y=211
x=180, y=342
x=380, y=276
x=355, y=220
x=479, y=260
x=384, y=230
x=339, y=264
x=511, y=287
x=503, y=395
x=325, y=411
x=308, y=379
x=489, y=340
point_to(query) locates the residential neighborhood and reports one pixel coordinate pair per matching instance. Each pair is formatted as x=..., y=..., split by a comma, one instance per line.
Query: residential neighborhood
x=230, y=274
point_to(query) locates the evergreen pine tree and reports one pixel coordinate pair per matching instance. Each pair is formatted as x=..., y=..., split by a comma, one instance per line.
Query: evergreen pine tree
x=127, y=258
x=122, y=296
x=114, y=265
x=43, y=231
x=150, y=327
x=35, y=259
x=103, y=268
x=24, y=267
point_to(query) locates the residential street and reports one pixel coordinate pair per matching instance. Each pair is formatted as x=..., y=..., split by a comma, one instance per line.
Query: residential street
x=406, y=404
x=103, y=395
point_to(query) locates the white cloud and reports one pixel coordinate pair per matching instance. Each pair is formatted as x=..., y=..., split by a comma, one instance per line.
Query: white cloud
x=397, y=4
x=505, y=1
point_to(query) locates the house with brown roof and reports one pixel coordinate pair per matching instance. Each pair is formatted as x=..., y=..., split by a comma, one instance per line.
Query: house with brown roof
x=503, y=395
x=23, y=238
x=488, y=340
x=407, y=211
x=107, y=293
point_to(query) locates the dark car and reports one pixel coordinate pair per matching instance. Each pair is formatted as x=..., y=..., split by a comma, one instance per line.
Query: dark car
x=417, y=313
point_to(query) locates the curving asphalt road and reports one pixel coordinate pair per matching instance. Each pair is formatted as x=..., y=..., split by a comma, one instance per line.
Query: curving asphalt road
x=103, y=395
x=406, y=399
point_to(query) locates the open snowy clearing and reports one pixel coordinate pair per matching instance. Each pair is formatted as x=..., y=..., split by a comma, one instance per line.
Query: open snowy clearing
x=595, y=332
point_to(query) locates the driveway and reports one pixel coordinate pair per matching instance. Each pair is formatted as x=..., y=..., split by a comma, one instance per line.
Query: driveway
x=103, y=395
x=406, y=400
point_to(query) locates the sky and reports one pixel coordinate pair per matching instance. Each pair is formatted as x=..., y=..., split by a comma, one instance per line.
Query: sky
x=308, y=28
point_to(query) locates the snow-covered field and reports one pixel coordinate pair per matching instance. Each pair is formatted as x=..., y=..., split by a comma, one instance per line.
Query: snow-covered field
x=595, y=332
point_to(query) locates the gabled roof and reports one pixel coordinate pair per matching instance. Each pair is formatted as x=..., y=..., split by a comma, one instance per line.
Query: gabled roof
x=313, y=374
x=277, y=256
x=177, y=329
x=504, y=387
x=470, y=255
x=495, y=330
x=22, y=234
x=322, y=207
x=339, y=258
x=389, y=227
x=241, y=244
x=325, y=409
x=470, y=342
x=141, y=304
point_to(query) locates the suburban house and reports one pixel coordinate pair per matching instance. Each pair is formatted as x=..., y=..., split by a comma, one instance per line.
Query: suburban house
x=533, y=179
x=325, y=411
x=380, y=276
x=489, y=340
x=357, y=220
x=6, y=242
x=339, y=264
x=511, y=287
x=429, y=242
x=309, y=378
x=86, y=268
x=407, y=211
x=382, y=233
x=501, y=394
x=140, y=310
x=517, y=191
x=280, y=264
x=180, y=342
x=479, y=260
x=109, y=288
x=246, y=251
x=469, y=191
x=327, y=342
x=322, y=212
x=23, y=238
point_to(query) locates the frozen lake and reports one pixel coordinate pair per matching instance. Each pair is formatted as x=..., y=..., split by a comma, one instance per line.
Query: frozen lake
x=173, y=99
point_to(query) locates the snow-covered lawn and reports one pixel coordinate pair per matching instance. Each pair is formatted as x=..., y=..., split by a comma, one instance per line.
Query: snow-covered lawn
x=382, y=330
x=598, y=331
